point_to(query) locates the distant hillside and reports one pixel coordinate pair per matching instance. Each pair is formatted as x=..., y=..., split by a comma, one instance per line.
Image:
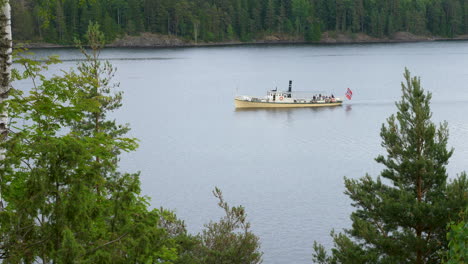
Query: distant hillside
x=227, y=21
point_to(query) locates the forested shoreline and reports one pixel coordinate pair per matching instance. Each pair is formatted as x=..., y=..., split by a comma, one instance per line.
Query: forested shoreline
x=192, y=22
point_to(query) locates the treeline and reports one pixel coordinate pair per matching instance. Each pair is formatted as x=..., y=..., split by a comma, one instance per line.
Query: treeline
x=61, y=21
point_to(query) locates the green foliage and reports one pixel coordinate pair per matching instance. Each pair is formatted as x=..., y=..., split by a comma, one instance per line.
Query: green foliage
x=301, y=11
x=458, y=241
x=61, y=21
x=313, y=32
x=230, y=240
x=230, y=32
x=401, y=216
x=65, y=200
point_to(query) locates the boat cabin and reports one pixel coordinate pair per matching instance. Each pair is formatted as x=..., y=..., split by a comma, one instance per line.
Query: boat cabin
x=278, y=96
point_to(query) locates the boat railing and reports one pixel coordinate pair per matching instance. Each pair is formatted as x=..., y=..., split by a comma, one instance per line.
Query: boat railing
x=266, y=99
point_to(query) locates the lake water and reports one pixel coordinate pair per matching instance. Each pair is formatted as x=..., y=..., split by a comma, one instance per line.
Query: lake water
x=285, y=166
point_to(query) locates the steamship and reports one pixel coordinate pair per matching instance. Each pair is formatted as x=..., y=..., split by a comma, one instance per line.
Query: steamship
x=283, y=99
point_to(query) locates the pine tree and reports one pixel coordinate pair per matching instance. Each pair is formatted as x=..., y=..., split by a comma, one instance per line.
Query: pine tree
x=401, y=216
x=269, y=16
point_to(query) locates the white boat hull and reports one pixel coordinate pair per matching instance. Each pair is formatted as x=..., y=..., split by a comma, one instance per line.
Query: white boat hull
x=239, y=103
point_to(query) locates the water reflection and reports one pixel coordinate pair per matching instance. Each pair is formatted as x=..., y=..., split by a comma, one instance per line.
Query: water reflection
x=286, y=115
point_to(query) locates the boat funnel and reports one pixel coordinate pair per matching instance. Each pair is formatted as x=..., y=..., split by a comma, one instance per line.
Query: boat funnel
x=290, y=86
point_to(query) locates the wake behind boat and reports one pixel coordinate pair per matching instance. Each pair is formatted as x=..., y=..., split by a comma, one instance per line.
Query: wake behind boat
x=283, y=99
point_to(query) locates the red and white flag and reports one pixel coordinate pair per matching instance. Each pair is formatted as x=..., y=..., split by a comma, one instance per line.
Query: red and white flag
x=349, y=94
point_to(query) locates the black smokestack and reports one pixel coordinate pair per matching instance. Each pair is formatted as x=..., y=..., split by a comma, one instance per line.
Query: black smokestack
x=290, y=88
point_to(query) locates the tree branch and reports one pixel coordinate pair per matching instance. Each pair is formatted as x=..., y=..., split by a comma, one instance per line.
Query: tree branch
x=105, y=244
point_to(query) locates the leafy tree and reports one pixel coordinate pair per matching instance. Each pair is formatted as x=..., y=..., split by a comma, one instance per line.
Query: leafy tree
x=301, y=10
x=65, y=199
x=401, y=216
x=458, y=241
x=22, y=21
x=230, y=240
x=313, y=32
x=230, y=32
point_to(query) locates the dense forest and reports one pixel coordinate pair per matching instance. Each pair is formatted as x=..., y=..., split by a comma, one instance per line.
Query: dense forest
x=61, y=21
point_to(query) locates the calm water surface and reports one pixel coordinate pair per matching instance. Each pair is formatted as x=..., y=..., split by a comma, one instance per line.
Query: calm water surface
x=285, y=166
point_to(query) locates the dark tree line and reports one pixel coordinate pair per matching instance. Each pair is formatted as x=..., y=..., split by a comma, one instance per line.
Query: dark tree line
x=61, y=21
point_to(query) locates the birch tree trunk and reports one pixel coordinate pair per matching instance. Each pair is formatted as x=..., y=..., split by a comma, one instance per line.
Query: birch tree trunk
x=5, y=63
x=5, y=71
